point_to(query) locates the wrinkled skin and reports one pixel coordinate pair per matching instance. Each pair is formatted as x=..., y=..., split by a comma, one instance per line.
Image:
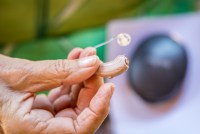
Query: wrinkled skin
x=78, y=103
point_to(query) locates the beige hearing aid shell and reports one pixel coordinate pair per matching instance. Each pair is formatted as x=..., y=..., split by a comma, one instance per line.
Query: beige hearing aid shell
x=113, y=68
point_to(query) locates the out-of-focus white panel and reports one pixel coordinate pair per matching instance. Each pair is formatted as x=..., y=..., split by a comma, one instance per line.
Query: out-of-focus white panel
x=181, y=115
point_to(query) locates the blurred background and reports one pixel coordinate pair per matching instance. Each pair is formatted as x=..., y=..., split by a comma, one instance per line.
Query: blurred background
x=49, y=29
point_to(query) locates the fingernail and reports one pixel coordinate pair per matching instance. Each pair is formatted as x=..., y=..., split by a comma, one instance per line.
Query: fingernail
x=111, y=89
x=88, y=61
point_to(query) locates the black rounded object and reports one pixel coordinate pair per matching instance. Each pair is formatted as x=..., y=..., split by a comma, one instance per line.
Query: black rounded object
x=157, y=68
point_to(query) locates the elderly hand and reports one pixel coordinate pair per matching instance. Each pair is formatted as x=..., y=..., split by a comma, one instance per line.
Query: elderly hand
x=78, y=104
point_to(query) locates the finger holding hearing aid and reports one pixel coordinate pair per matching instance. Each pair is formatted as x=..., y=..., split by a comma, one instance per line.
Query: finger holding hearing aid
x=120, y=63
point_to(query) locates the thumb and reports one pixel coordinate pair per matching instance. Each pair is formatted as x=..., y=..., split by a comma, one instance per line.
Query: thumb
x=92, y=117
x=38, y=76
